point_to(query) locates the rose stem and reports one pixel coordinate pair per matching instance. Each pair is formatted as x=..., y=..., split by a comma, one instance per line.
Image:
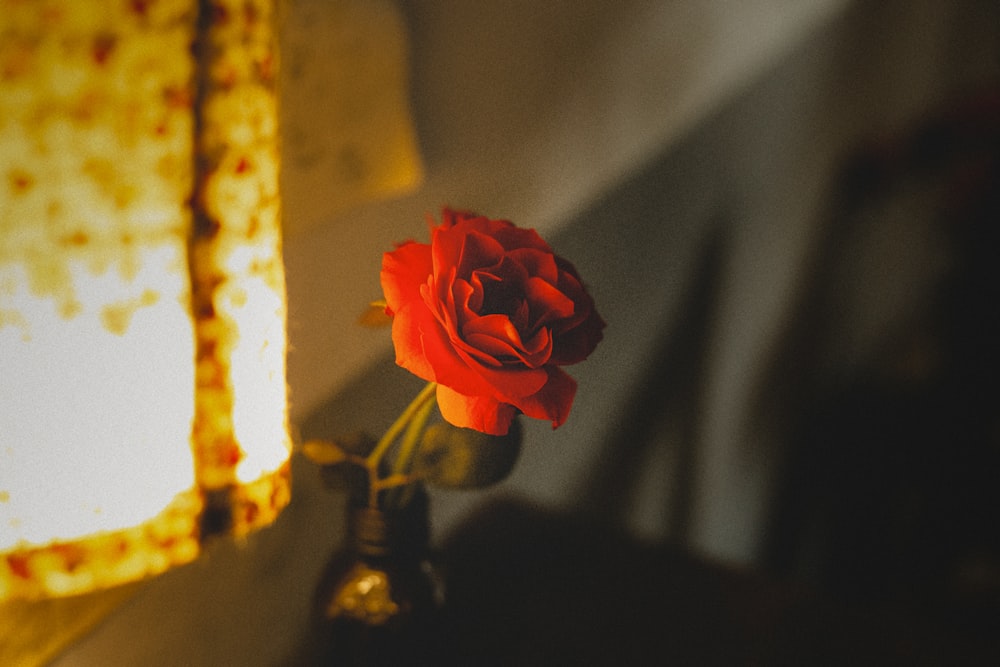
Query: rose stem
x=405, y=418
x=408, y=447
x=393, y=432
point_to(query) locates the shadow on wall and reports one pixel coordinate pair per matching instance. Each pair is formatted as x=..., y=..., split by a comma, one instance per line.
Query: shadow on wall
x=890, y=481
x=709, y=248
x=641, y=252
x=892, y=275
x=866, y=418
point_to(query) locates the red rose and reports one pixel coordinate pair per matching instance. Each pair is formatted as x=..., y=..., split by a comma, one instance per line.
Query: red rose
x=490, y=313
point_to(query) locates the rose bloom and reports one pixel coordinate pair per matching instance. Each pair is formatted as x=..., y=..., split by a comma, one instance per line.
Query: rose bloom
x=489, y=312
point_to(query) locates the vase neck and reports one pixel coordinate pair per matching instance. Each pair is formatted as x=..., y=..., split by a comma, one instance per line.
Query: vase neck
x=404, y=532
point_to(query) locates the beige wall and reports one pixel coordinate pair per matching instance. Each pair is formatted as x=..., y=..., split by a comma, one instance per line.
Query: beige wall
x=637, y=138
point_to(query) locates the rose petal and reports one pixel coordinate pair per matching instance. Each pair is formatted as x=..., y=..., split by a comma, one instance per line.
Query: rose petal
x=512, y=238
x=577, y=337
x=438, y=295
x=478, y=251
x=553, y=401
x=578, y=343
x=548, y=304
x=503, y=288
x=482, y=225
x=403, y=271
x=521, y=317
x=570, y=284
x=408, y=339
x=469, y=294
x=509, y=381
x=451, y=217
x=450, y=365
x=482, y=413
x=497, y=327
x=497, y=336
x=489, y=312
x=456, y=249
x=456, y=366
x=536, y=262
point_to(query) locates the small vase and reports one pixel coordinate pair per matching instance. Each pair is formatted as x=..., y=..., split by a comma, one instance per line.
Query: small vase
x=377, y=602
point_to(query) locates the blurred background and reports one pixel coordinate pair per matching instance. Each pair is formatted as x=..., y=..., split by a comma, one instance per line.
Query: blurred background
x=786, y=211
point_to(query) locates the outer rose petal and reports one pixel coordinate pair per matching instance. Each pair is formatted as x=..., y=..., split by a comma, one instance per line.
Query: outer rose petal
x=430, y=353
x=518, y=381
x=553, y=401
x=403, y=271
x=575, y=345
x=482, y=413
x=407, y=339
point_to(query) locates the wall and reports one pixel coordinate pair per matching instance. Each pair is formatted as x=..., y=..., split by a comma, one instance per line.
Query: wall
x=694, y=217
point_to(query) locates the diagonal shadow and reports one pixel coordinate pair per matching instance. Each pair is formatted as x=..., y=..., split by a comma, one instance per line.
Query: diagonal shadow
x=666, y=398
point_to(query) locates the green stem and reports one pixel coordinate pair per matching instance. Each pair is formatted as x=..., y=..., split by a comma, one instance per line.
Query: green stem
x=407, y=452
x=393, y=481
x=397, y=427
x=408, y=448
x=413, y=419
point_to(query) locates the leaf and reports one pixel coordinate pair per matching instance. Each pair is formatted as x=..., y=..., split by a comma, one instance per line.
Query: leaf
x=462, y=458
x=375, y=315
x=341, y=463
x=348, y=447
x=324, y=453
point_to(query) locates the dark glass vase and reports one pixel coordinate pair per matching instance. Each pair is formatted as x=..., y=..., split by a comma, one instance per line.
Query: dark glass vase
x=377, y=602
